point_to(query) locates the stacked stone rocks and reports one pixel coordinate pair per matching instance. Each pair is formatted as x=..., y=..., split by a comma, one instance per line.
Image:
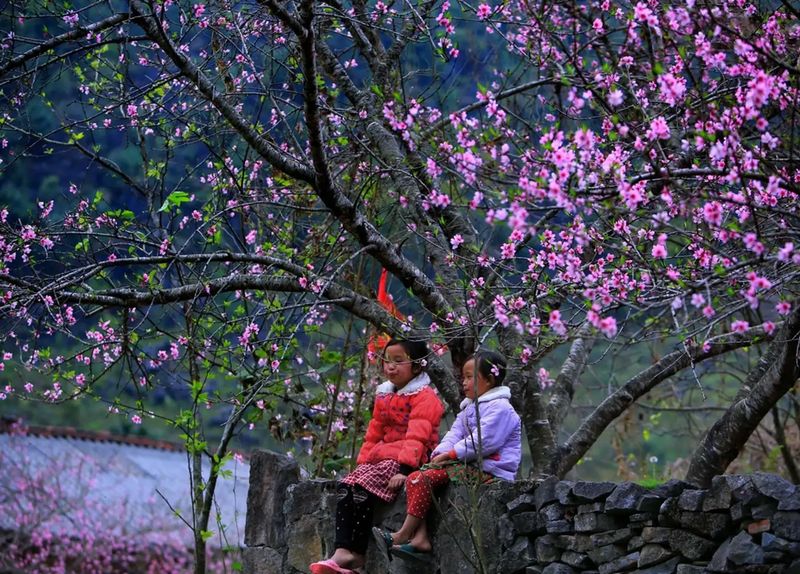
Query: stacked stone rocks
x=741, y=524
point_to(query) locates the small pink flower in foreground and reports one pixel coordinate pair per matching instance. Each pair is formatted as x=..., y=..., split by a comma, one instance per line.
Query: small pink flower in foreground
x=740, y=326
x=483, y=11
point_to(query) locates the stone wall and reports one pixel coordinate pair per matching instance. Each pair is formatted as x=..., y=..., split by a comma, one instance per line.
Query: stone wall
x=748, y=524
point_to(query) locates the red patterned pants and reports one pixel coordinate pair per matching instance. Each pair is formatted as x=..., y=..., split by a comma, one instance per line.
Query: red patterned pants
x=419, y=489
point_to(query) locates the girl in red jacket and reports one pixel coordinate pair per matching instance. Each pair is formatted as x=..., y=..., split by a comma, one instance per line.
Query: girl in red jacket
x=403, y=431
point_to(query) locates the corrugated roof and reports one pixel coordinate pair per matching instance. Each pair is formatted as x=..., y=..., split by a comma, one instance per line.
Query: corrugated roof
x=127, y=474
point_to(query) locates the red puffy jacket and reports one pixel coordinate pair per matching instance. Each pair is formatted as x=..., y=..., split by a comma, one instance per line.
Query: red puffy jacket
x=404, y=425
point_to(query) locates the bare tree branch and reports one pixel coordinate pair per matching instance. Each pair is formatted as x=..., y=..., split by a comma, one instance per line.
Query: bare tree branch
x=725, y=439
x=618, y=402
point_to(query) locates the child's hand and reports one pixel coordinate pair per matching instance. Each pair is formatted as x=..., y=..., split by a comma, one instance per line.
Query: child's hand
x=443, y=457
x=397, y=482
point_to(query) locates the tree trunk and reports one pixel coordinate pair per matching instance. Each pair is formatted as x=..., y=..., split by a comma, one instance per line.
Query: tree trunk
x=722, y=443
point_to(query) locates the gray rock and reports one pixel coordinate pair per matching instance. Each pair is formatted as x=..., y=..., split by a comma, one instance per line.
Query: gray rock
x=672, y=488
x=545, y=492
x=621, y=564
x=533, y=570
x=610, y=537
x=457, y=519
x=764, y=510
x=790, y=502
x=261, y=560
x=772, y=486
x=710, y=525
x=604, y=554
x=582, y=543
x=690, y=569
x=506, y=530
x=649, y=503
x=772, y=543
x=594, y=522
x=656, y=534
x=719, y=561
x=774, y=557
x=643, y=518
x=558, y=527
x=669, y=514
x=552, y=512
x=744, y=551
x=577, y=560
x=575, y=542
x=563, y=491
x=527, y=522
x=653, y=554
x=738, y=512
x=558, y=568
x=690, y=545
x=625, y=498
x=635, y=543
x=691, y=500
x=546, y=550
x=270, y=476
x=523, y=503
x=786, y=525
x=592, y=491
x=591, y=507
x=668, y=567
x=741, y=486
x=719, y=495
x=521, y=554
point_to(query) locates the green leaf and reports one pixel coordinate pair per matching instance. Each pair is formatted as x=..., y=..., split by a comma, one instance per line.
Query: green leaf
x=123, y=214
x=206, y=534
x=174, y=199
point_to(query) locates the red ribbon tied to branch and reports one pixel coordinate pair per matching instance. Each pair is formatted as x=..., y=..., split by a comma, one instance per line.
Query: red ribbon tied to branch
x=378, y=340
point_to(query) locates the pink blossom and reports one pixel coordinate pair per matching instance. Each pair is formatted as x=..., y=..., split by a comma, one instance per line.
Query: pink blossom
x=555, y=323
x=785, y=252
x=456, y=241
x=712, y=213
x=483, y=11
x=708, y=311
x=769, y=327
x=659, y=251
x=740, y=326
x=659, y=129
x=672, y=88
x=783, y=308
x=543, y=375
x=71, y=18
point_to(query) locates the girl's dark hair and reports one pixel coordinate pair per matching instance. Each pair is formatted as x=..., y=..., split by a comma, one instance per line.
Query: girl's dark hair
x=491, y=365
x=417, y=351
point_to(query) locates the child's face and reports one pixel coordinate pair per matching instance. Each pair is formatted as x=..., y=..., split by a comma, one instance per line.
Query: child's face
x=474, y=383
x=397, y=366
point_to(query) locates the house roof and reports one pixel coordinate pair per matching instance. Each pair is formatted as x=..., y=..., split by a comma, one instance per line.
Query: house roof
x=130, y=479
